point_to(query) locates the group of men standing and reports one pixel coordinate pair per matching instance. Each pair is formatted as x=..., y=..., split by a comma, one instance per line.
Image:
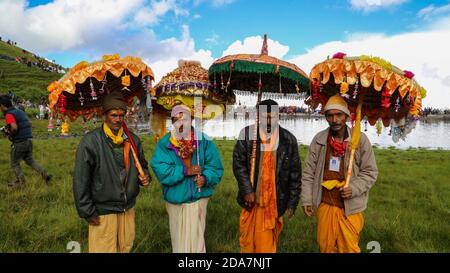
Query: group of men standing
x=111, y=167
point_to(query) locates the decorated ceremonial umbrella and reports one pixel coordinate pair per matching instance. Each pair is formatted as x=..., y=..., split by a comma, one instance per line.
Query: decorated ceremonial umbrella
x=260, y=73
x=372, y=87
x=184, y=84
x=80, y=91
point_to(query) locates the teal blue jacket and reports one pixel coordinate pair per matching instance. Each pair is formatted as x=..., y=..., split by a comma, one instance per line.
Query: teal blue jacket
x=168, y=168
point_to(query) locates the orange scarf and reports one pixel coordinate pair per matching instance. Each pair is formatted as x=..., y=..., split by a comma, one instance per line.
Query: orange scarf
x=268, y=193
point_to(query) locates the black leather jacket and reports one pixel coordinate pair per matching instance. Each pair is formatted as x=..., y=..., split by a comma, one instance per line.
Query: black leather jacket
x=288, y=173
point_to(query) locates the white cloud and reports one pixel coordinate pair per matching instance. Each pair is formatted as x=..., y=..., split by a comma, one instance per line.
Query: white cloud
x=173, y=50
x=424, y=53
x=62, y=24
x=372, y=5
x=214, y=3
x=431, y=11
x=164, y=66
x=357, y=36
x=74, y=24
x=253, y=44
x=213, y=40
x=150, y=15
x=103, y=27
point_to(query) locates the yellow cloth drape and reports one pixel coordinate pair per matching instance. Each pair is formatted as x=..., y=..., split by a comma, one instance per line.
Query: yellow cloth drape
x=331, y=184
x=117, y=139
x=356, y=133
x=174, y=141
x=268, y=192
x=337, y=233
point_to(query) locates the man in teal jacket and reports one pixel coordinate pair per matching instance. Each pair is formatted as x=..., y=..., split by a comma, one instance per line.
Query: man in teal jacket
x=187, y=182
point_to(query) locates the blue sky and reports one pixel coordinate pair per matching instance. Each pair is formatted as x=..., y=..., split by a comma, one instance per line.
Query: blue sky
x=299, y=24
x=303, y=32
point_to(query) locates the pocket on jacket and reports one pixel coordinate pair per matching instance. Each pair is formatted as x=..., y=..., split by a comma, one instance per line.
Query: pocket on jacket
x=98, y=186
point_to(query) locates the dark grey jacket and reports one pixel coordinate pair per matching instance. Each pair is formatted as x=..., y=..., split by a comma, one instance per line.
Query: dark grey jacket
x=288, y=173
x=100, y=185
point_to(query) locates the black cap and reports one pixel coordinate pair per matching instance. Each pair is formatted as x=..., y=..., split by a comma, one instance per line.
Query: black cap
x=5, y=100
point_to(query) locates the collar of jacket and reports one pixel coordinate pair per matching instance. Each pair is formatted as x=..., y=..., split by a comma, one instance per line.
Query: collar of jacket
x=323, y=135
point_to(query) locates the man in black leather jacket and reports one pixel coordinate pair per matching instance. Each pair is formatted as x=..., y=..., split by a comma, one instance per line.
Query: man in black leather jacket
x=277, y=180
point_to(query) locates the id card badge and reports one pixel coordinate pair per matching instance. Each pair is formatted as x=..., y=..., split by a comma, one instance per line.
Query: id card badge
x=335, y=164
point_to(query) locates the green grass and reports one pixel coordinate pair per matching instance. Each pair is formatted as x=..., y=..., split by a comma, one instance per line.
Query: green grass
x=26, y=82
x=408, y=206
x=14, y=51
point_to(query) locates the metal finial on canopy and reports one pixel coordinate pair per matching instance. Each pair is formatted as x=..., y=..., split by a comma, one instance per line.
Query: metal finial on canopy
x=265, y=48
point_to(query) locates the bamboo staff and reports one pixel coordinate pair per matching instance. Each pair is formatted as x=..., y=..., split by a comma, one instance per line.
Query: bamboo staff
x=356, y=135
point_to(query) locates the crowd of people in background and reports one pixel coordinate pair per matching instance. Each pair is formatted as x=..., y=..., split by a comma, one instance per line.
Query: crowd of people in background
x=434, y=111
x=23, y=104
x=33, y=60
x=287, y=110
x=10, y=42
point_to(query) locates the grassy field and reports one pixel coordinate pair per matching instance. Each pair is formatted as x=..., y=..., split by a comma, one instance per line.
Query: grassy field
x=409, y=206
x=25, y=82
x=15, y=51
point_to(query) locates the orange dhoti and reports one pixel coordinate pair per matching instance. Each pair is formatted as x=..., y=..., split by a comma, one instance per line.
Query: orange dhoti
x=337, y=233
x=261, y=227
x=254, y=237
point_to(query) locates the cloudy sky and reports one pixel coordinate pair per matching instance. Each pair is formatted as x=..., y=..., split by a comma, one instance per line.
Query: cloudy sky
x=413, y=35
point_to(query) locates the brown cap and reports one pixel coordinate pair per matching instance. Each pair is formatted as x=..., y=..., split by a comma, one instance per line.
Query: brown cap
x=114, y=100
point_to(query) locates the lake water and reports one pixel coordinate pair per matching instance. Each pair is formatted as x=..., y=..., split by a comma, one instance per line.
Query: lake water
x=432, y=135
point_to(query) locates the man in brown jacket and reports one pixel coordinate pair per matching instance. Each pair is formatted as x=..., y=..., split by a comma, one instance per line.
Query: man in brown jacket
x=338, y=209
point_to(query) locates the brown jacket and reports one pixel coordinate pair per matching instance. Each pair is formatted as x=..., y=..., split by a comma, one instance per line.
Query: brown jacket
x=364, y=173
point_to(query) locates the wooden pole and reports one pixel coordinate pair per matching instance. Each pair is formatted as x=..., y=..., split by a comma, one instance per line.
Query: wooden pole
x=255, y=135
x=355, y=140
x=136, y=158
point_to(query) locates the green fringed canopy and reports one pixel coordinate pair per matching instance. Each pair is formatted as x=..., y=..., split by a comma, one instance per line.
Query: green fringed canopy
x=244, y=72
x=244, y=75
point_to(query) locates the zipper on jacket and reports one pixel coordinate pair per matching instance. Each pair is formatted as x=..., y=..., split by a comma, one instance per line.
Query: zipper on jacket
x=125, y=185
x=126, y=173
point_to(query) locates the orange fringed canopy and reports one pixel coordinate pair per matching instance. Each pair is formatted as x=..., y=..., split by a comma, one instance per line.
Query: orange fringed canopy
x=113, y=69
x=376, y=77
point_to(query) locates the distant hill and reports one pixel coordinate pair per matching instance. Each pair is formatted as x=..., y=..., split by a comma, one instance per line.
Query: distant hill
x=24, y=81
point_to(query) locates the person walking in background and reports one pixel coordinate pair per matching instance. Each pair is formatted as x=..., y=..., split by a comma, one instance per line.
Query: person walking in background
x=18, y=129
